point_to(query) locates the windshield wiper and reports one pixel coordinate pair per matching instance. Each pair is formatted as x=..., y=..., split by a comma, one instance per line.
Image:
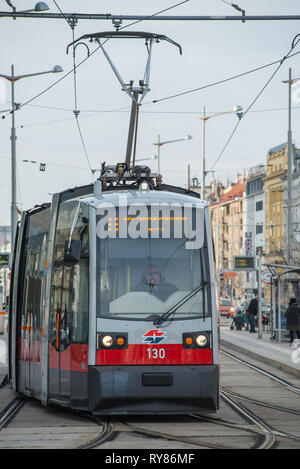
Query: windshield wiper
x=157, y=320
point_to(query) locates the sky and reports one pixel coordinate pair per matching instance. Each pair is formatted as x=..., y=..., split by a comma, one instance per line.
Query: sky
x=212, y=51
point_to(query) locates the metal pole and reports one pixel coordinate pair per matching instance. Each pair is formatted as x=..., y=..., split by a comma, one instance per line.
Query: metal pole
x=13, y=162
x=271, y=306
x=107, y=16
x=259, y=298
x=289, y=175
x=203, y=156
x=218, y=257
x=158, y=154
x=132, y=129
x=279, y=311
x=274, y=308
x=188, y=176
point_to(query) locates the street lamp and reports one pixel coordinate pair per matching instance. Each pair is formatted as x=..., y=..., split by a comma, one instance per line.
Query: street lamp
x=39, y=7
x=13, y=78
x=239, y=112
x=290, y=81
x=160, y=144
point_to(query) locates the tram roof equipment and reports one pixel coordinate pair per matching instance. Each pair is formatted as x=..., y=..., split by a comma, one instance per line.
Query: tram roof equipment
x=128, y=171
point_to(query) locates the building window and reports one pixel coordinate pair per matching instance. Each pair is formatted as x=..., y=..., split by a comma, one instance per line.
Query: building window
x=259, y=206
x=259, y=229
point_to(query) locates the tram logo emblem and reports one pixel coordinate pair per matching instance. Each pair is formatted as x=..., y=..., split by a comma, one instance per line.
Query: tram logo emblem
x=155, y=336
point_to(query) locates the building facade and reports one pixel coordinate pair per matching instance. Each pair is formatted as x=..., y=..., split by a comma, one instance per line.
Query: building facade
x=276, y=169
x=291, y=283
x=227, y=219
x=254, y=224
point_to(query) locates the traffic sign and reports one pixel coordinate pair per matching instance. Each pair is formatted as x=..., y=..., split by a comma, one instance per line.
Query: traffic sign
x=229, y=274
x=4, y=258
x=266, y=276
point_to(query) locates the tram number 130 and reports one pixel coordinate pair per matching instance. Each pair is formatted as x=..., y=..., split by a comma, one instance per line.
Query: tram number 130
x=154, y=353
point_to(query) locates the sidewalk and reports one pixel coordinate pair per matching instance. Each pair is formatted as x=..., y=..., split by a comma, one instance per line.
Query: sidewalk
x=278, y=354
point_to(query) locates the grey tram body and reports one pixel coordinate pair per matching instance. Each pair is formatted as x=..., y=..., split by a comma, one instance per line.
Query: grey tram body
x=97, y=388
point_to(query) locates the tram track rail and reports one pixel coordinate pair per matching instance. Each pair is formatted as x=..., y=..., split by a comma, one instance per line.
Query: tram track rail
x=279, y=380
x=268, y=438
x=11, y=410
x=259, y=403
x=167, y=436
x=264, y=436
x=233, y=398
x=104, y=435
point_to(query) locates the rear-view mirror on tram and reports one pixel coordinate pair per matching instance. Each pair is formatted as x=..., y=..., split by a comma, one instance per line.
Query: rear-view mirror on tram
x=72, y=250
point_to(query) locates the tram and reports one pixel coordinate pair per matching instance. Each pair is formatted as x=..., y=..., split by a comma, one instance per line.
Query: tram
x=112, y=303
x=113, y=309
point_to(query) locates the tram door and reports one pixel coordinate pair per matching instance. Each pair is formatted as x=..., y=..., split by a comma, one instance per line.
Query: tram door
x=60, y=325
x=68, y=321
x=29, y=312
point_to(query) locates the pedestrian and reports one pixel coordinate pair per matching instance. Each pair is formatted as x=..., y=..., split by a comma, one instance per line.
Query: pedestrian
x=238, y=319
x=252, y=312
x=293, y=319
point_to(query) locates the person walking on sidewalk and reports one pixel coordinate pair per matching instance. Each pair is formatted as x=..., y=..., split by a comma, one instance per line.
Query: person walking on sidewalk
x=252, y=312
x=238, y=319
x=293, y=319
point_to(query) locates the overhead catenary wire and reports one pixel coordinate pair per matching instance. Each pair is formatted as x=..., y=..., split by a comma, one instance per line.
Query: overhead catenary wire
x=155, y=14
x=86, y=58
x=189, y=91
x=294, y=43
x=121, y=110
x=161, y=99
x=76, y=112
x=209, y=85
x=71, y=22
x=220, y=82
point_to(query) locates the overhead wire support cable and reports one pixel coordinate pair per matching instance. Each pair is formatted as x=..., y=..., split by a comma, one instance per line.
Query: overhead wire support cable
x=149, y=102
x=294, y=43
x=154, y=14
x=72, y=21
x=220, y=82
x=74, y=15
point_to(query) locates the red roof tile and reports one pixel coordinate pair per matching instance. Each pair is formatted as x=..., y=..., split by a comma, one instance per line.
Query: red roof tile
x=236, y=191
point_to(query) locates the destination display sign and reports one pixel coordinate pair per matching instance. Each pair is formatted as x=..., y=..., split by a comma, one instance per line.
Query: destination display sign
x=243, y=263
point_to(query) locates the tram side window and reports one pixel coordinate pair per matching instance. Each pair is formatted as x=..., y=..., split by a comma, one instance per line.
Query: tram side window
x=34, y=268
x=69, y=310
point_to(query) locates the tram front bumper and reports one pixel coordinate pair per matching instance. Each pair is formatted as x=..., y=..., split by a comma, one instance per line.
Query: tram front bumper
x=179, y=389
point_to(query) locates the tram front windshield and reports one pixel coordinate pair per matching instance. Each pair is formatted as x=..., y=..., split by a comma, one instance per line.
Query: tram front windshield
x=140, y=277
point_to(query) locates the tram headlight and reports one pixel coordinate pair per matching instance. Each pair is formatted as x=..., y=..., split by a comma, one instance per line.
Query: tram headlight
x=112, y=340
x=201, y=340
x=196, y=339
x=144, y=186
x=107, y=340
